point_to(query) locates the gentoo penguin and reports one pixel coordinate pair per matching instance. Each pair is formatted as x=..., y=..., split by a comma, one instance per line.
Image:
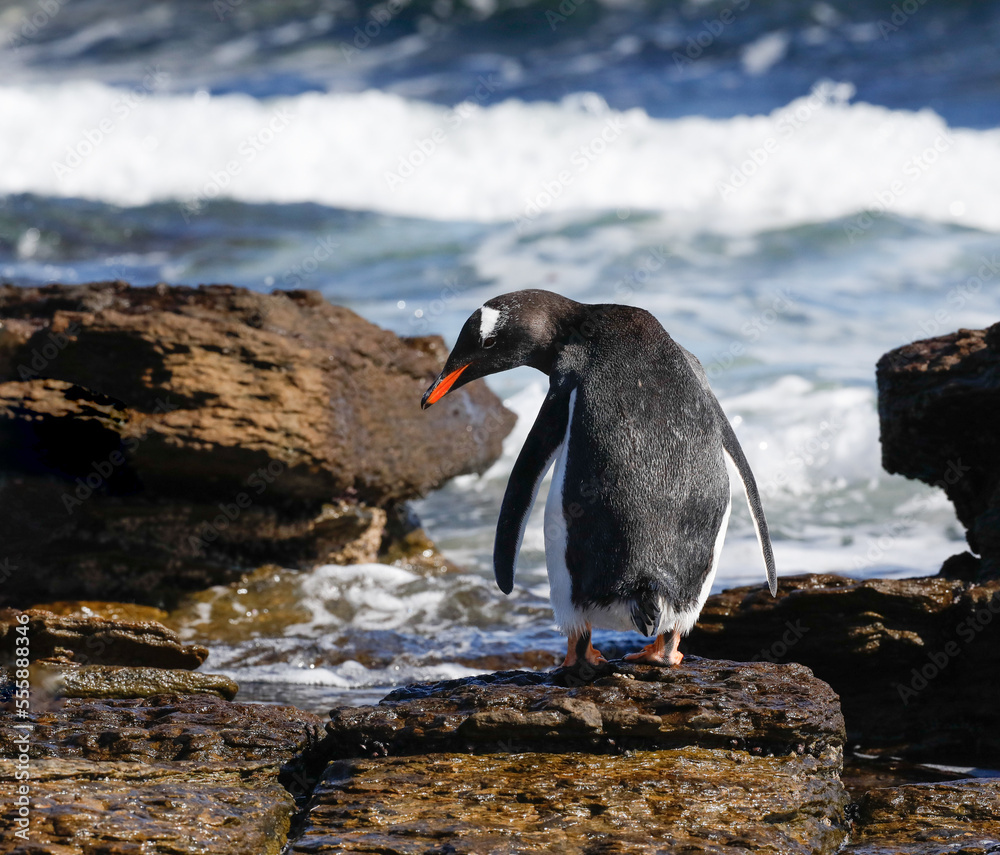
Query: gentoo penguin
x=640, y=498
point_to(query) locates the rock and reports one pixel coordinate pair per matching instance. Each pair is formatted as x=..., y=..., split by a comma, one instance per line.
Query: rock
x=73, y=817
x=754, y=707
x=714, y=757
x=938, y=401
x=158, y=440
x=245, y=379
x=928, y=819
x=910, y=658
x=181, y=774
x=166, y=728
x=129, y=612
x=98, y=641
x=109, y=681
x=690, y=800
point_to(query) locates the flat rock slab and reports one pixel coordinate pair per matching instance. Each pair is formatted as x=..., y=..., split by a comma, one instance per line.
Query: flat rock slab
x=170, y=774
x=93, y=640
x=718, y=757
x=113, y=818
x=929, y=819
x=201, y=728
x=757, y=707
x=692, y=800
x=110, y=681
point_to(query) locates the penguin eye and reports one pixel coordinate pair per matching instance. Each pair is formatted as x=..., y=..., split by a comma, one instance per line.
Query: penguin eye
x=489, y=341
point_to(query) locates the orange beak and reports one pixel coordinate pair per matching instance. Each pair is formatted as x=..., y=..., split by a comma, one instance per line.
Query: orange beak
x=441, y=387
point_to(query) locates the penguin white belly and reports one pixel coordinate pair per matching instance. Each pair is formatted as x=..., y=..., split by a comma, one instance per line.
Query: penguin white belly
x=570, y=619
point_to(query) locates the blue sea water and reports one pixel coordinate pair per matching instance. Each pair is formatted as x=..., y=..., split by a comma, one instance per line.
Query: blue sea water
x=792, y=188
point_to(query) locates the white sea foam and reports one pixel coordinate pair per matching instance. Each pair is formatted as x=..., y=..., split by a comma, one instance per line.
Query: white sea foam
x=816, y=159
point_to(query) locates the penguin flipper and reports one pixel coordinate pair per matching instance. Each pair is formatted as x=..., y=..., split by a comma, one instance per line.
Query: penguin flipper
x=535, y=459
x=735, y=453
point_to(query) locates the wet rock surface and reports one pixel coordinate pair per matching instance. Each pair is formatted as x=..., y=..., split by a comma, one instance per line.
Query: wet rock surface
x=119, y=818
x=157, y=438
x=109, y=681
x=93, y=640
x=908, y=657
x=169, y=774
x=202, y=728
x=709, y=757
x=929, y=819
x=747, y=706
x=692, y=800
x=938, y=405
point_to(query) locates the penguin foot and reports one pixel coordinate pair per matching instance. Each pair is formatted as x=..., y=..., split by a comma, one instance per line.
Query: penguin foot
x=579, y=649
x=657, y=652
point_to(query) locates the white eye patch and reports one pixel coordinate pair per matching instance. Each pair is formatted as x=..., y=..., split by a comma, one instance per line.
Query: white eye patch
x=489, y=319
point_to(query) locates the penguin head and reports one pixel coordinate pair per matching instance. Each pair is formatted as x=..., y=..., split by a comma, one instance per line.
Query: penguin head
x=520, y=328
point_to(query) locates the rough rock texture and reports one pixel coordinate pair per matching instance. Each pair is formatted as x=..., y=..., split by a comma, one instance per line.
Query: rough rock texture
x=171, y=774
x=120, y=818
x=109, y=681
x=929, y=819
x=715, y=757
x=755, y=707
x=910, y=658
x=202, y=728
x=98, y=641
x=153, y=438
x=939, y=408
x=111, y=611
x=692, y=800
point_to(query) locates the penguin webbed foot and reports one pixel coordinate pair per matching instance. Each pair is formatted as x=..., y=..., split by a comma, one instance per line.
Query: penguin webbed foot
x=580, y=652
x=659, y=653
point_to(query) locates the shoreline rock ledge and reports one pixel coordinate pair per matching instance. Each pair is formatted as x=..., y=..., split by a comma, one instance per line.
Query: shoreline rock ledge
x=160, y=440
x=718, y=757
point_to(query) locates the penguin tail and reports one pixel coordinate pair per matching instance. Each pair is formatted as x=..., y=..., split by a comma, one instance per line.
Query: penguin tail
x=645, y=613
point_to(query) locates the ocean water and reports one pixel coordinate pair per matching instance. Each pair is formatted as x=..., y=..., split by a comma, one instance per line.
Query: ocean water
x=792, y=188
